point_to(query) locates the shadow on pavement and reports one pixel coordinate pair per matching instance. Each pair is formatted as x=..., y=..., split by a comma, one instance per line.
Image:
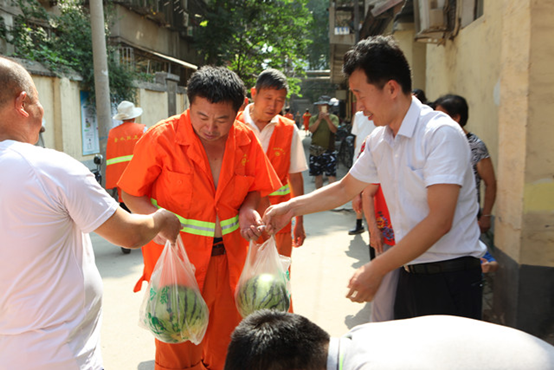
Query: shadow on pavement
x=358, y=249
x=148, y=365
x=362, y=317
x=111, y=261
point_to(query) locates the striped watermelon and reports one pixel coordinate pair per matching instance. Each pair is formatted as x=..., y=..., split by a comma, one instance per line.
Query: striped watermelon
x=262, y=291
x=176, y=313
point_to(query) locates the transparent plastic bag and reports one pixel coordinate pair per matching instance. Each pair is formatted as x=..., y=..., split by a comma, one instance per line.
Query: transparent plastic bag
x=264, y=281
x=173, y=309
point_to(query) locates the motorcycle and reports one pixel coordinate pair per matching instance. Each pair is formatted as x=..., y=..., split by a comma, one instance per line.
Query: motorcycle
x=97, y=172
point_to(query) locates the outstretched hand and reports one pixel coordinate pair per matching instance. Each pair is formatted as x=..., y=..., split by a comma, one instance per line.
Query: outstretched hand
x=276, y=217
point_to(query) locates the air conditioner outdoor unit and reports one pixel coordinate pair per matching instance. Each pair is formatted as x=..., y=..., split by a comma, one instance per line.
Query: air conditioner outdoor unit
x=185, y=19
x=431, y=20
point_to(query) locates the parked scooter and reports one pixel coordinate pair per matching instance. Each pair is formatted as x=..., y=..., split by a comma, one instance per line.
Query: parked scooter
x=97, y=172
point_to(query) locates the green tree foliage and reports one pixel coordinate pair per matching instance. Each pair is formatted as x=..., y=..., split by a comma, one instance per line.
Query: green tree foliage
x=318, y=50
x=251, y=35
x=63, y=43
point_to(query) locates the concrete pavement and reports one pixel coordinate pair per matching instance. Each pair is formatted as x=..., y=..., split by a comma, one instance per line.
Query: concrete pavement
x=320, y=273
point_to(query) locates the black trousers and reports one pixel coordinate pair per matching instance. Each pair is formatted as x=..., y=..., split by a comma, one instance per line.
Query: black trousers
x=458, y=293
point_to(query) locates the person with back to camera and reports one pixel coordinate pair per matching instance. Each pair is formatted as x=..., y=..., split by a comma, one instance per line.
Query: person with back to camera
x=421, y=159
x=121, y=143
x=323, y=158
x=272, y=340
x=306, y=121
x=211, y=171
x=50, y=305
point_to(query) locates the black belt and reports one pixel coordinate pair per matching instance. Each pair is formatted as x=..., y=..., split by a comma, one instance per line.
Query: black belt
x=458, y=264
x=218, y=248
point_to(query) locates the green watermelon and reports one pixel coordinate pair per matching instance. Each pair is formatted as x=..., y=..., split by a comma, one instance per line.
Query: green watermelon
x=262, y=291
x=176, y=313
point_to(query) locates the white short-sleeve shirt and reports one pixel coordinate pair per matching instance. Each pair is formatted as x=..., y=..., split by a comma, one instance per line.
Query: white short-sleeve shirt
x=297, y=156
x=51, y=290
x=362, y=127
x=429, y=148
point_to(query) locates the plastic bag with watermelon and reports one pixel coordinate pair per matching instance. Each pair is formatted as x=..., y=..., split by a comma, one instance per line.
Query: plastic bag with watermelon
x=264, y=281
x=173, y=309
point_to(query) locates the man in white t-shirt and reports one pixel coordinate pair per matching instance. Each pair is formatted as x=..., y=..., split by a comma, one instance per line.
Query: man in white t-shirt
x=422, y=161
x=269, y=339
x=361, y=127
x=51, y=296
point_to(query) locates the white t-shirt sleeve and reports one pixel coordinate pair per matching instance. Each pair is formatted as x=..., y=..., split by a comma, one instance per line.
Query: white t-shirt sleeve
x=78, y=192
x=297, y=156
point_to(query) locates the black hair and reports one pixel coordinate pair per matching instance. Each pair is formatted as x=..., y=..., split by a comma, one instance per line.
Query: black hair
x=14, y=79
x=274, y=340
x=382, y=60
x=420, y=94
x=454, y=105
x=216, y=84
x=272, y=79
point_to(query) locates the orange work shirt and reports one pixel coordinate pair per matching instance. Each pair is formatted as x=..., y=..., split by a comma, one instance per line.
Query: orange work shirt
x=170, y=167
x=119, y=150
x=289, y=116
x=306, y=117
x=278, y=152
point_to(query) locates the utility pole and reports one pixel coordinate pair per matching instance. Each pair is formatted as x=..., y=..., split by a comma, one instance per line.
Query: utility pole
x=101, y=76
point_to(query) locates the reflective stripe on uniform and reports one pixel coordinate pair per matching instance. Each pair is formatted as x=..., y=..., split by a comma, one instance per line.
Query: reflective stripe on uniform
x=283, y=190
x=204, y=228
x=229, y=225
x=125, y=158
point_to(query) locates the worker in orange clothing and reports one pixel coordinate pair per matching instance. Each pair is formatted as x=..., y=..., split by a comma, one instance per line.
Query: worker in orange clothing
x=306, y=117
x=281, y=142
x=121, y=143
x=211, y=171
x=288, y=113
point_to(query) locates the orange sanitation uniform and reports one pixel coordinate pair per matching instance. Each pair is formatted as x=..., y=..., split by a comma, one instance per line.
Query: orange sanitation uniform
x=306, y=117
x=289, y=116
x=278, y=153
x=119, y=151
x=170, y=166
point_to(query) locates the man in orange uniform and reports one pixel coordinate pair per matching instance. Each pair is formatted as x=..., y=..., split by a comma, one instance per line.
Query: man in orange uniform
x=281, y=142
x=121, y=143
x=211, y=171
x=306, y=117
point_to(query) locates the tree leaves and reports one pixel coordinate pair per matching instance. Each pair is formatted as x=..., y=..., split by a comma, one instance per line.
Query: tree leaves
x=251, y=35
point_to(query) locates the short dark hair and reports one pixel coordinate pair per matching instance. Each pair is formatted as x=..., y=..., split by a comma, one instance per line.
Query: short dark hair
x=382, y=60
x=216, y=84
x=272, y=79
x=454, y=105
x=420, y=94
x=274, y=340
x=14, y=79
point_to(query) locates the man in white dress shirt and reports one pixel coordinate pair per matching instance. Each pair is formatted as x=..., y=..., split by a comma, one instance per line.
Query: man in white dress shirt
x=422, y=161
